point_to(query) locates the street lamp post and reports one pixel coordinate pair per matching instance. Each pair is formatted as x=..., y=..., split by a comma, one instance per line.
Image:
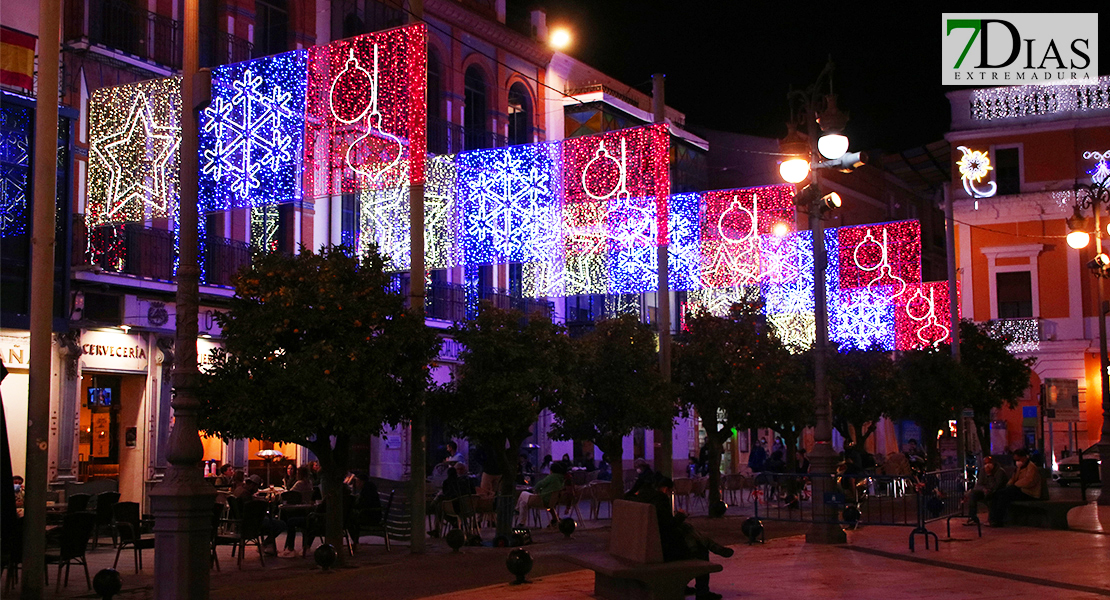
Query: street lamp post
x=819, y=111
x=1093, y=196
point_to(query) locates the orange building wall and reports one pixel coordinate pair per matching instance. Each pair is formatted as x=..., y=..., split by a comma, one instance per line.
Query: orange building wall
x=1051, y=264
x=1047, y=155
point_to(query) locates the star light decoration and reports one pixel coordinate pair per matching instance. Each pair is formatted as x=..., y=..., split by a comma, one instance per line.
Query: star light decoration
x=134, y=145
x=366, y=112
x=15, y=168
x=252, y=133
x=973, y=168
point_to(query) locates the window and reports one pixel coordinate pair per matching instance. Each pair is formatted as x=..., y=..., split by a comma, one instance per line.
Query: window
x=475, y=110
x=520, y=115
x=439, y=139
x=348, y=221
x=271, y=27
x=1015, y=295
x=516, y=280
x=485, y=278
x=1007, y=171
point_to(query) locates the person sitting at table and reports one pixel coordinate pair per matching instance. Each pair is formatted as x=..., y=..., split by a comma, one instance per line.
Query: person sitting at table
x=545, y=489
x=239, y=486
x=290, y=476
x=302, y=484
x=367, y=503
x=453, y=454
x=224, y=476
x=17, y=482
x=294, y=517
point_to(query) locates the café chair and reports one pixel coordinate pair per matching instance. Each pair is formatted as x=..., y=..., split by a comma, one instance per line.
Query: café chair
x=245, y=527
x=76, y=503
x=76, y=530
x=130, y=528
x=105, y=503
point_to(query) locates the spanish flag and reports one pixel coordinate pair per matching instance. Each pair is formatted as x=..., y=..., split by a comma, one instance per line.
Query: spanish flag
x=17, y=58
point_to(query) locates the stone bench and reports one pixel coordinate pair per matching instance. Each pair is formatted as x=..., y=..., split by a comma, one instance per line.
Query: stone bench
x=1048, y=514
x=633, y=568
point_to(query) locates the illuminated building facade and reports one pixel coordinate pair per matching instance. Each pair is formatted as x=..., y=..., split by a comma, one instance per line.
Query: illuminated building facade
x=1017, y=154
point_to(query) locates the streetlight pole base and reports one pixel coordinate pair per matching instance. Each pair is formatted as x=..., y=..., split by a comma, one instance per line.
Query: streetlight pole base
x=826, y=523
x=182, y=506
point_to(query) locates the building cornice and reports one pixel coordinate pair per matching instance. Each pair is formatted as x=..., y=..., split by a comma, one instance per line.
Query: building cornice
x=1024, y=129
x=489, y=31
x=1019, y=208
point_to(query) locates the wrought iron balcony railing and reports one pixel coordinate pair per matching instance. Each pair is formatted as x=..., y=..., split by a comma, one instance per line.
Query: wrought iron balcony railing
x=119, y=25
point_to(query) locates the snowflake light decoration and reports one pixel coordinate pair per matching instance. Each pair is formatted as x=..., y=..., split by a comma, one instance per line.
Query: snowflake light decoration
x=883, y=254
x=366, y=112
x=718, y=301
x=252, y=134
x=509, y=204
x=632, y=258
x=973, y=168
x=134, y=146
x=863, y=317
x=798, y=331
x=684, y=250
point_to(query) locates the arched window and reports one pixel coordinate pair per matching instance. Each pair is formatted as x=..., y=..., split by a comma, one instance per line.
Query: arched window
x=476, y=109
x=520, y=115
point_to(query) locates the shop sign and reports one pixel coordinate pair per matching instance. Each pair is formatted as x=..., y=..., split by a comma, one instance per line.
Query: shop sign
x=15, y=351
x=111, y=351
x=204, y=353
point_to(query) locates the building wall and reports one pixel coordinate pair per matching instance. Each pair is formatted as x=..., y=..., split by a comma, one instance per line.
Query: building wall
x=1025, y=231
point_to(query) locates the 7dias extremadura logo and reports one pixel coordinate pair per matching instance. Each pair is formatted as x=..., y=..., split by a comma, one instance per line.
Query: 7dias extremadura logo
x=1019, y=48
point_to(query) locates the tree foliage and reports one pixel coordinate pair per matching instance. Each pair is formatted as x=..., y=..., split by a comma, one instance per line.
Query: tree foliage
x=787, y=405
x=317, y=350
x=512, y=369
x=617, y=387
x=864, y=386
x=725, y=368
x=998, y=378
x=935, y=386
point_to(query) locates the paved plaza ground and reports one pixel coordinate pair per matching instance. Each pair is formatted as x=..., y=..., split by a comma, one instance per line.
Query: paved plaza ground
x=1012, y=563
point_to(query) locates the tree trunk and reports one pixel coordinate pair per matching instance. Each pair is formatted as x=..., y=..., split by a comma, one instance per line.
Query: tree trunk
x=333, y=466
x=616, y=465
x=508, y=458
x=716, y=446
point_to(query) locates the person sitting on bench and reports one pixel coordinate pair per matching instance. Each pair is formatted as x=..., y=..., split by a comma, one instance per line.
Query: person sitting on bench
x=1025, y=484
x=991, y=479
x=679, y=539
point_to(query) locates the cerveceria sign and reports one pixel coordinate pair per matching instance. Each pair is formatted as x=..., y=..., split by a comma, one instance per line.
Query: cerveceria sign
x=112, y=351
x=1019, y=48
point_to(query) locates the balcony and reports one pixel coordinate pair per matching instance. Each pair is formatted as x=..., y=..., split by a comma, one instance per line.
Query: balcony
x=147, y=252
x=118, y=30
x=223, y=258
x=444, y=301
x=126, y=248
x=1020, y=335
x=445, y=137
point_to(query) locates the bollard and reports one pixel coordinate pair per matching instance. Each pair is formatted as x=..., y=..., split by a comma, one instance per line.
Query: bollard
x=717, y=509
x=107, y=583
x=519, y=563
x=455, y=539
x=325, y=556
x=567, y=526
x=752, y=528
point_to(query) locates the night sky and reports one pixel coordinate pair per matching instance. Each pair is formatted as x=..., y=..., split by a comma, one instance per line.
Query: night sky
x=730, y=63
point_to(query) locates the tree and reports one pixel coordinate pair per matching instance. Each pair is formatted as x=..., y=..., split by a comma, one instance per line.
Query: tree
x=934, y=385
x=723, y=367
x=786, y=407
x=617, y=388
x=864, y=386
x=512, y=369
x=998, y=377
x=317, y=350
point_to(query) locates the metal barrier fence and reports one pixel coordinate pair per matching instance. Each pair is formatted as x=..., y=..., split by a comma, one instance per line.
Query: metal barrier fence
x=861, y=499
